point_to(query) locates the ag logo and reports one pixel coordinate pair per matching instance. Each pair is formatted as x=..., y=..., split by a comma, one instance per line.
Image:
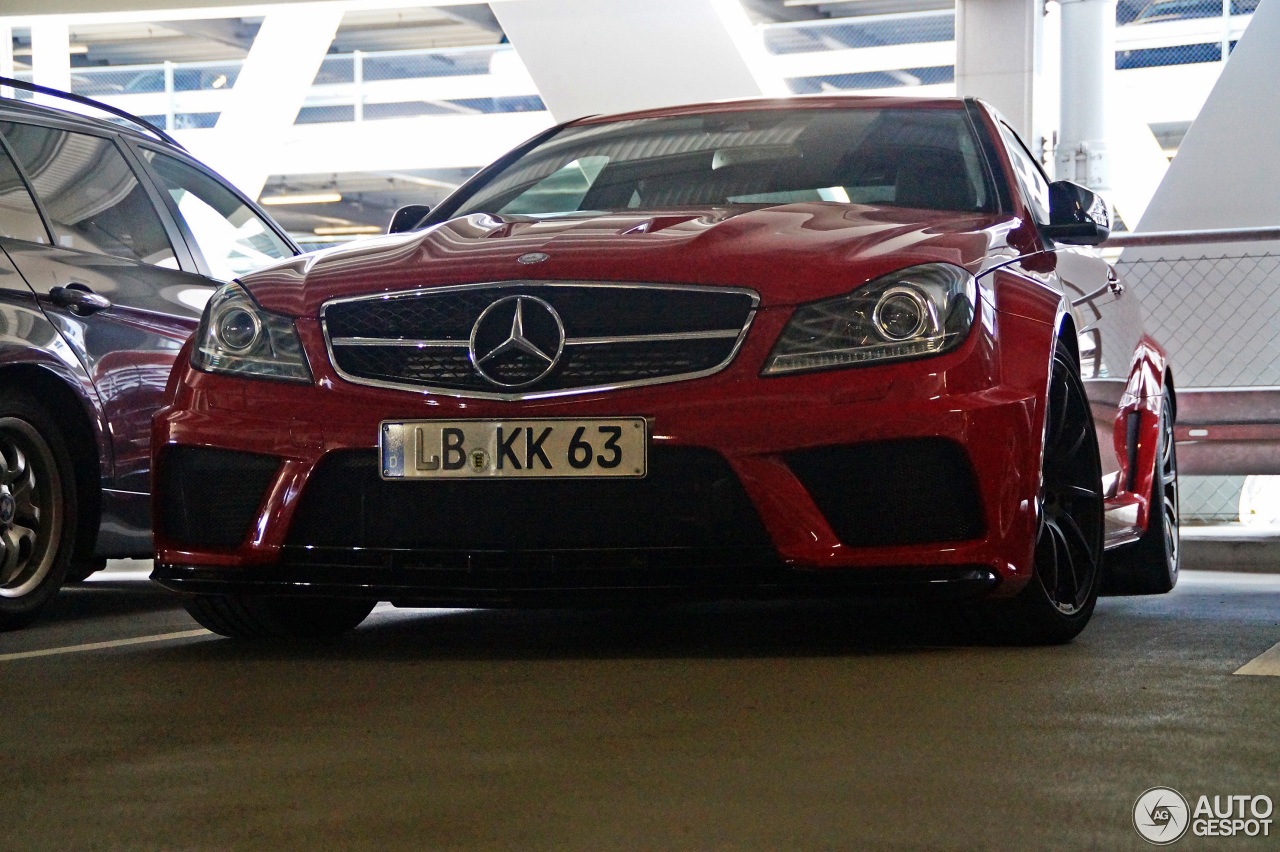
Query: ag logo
x=1161, y=815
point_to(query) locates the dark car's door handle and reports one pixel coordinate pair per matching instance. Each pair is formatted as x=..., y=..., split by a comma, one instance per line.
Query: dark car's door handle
x=78, y=299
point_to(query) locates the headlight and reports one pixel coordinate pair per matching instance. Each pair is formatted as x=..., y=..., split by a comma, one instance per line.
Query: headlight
x=236, y=336
x=918, y=311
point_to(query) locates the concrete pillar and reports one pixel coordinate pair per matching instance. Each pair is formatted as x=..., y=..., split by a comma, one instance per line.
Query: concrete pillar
x=999, y=58
x=269, y=91
x=51, y=55
x=595, y=56
x=1088, y=65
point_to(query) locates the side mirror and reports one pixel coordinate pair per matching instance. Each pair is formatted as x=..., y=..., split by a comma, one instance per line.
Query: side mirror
x=1077, y=216
x=408, y=218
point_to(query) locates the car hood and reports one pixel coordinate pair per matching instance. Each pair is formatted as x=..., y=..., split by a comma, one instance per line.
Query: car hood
x=789, y=254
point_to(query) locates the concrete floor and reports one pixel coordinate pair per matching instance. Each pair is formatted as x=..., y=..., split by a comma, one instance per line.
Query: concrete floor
x=789, y=727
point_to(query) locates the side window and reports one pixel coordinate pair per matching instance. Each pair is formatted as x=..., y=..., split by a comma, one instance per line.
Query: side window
x=19, y=219
x=231, y=236
x=92, y=198
x=1035, y=188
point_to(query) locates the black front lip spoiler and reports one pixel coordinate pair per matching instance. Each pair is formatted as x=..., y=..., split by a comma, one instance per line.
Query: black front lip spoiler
x=488, y=588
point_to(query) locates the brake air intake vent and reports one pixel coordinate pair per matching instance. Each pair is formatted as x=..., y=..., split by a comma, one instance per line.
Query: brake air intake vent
x=210, y=498
x=886, y=493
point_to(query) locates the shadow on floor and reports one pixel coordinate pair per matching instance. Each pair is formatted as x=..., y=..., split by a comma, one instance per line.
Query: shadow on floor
x=104, y=596
x=704, y=630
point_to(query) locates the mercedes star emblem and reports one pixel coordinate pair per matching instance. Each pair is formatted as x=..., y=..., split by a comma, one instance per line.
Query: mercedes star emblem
x=533, y=257
x=516, y=341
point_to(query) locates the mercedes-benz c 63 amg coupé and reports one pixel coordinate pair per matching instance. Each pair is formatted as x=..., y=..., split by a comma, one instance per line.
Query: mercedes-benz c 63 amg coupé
x=761, y=348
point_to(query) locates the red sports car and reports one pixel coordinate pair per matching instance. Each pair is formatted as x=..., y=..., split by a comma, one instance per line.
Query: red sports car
x=762, y=348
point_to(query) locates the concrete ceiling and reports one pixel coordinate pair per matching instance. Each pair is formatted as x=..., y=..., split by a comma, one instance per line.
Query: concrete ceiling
x=226, y=39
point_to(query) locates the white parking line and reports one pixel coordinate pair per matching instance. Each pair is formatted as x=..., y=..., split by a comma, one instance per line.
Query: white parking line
x=1266, y=663
x=97, y=646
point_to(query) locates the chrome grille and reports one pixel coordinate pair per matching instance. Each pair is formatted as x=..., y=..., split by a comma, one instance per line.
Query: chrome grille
x=611, y=335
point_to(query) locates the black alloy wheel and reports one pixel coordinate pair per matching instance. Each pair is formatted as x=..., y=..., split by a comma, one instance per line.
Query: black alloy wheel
x=1150, y=565
x=1058, y=601
x=37, y=509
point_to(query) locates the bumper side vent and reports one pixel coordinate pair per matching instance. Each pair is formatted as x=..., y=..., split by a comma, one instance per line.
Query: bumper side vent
x=888, y=493
x=209, y=498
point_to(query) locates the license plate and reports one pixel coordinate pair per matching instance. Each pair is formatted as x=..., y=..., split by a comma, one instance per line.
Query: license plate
x=536, y=449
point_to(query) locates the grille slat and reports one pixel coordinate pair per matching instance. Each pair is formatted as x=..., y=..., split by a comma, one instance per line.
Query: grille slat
x=613, y=335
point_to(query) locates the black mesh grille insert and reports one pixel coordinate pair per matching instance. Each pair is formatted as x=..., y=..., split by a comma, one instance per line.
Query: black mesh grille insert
x=581, y=366
x=600, y=322
x=209, y=498
x=887, y=493
x=690, y=499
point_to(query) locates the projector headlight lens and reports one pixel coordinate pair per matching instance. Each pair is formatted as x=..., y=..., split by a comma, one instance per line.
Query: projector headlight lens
x=912, y=313
x=239, y=337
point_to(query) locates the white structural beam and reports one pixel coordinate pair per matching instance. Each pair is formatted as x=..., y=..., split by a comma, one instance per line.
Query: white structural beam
x=51, y=54
x=397, y=144
x=594, y=56
x=272, y=84
x=1228, y=166
x=6, y=51
x=999, y=58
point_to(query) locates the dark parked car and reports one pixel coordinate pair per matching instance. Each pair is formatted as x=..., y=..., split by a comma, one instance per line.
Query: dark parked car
x=111, y=240
x=808, y=347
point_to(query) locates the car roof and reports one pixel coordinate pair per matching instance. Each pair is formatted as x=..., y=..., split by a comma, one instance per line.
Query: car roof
x=139, y=131
x=794, y=103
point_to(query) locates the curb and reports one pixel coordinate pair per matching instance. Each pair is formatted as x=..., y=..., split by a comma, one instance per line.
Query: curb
x=1231, y=548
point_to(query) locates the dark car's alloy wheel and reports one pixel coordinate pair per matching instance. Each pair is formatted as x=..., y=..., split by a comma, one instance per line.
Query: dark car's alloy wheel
x=37, y=509
x=1150, y=565
x=255, y=617
x=1059, y=600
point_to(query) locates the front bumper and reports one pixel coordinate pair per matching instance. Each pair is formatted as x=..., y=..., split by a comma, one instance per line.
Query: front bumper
x=922, y=473
x=541, y=582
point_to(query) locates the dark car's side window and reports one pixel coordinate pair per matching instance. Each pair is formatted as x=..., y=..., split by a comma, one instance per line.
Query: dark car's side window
x=19, y=218
x=231, y=236
x=93, y=199
x=1035, y=188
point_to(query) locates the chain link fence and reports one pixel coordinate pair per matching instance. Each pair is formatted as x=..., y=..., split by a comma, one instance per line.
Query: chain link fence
x=1218, y=316
x=864, y=31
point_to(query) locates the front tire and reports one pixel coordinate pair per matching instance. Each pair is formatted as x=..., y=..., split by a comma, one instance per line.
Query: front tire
x=37, y=509
x=255, y=617
x=1150, y=565
x=1058, y=601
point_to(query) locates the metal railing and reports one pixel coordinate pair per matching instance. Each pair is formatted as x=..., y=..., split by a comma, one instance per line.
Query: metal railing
x=354, y=87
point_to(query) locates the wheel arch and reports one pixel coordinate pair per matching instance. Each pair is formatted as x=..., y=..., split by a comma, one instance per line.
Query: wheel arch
x=1068, y=336
x=69, y=406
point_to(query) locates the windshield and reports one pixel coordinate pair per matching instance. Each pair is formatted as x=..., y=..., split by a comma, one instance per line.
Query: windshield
x=921, y=158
